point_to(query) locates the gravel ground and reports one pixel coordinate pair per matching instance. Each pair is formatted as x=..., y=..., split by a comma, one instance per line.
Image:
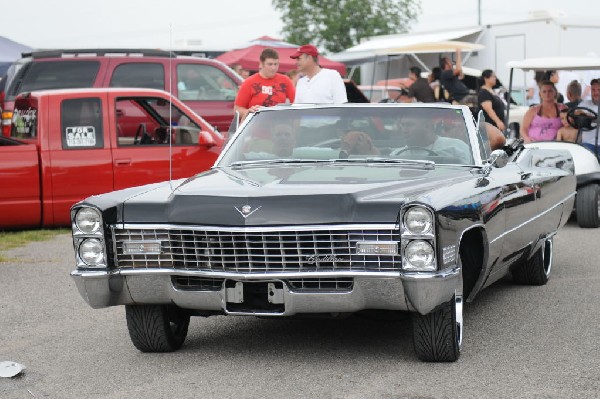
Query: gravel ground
x=520, y=342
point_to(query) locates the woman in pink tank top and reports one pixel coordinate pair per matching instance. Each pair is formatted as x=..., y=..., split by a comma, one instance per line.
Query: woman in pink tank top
x=541, y=123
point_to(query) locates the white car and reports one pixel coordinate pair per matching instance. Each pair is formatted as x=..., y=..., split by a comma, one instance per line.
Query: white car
x=587, y=167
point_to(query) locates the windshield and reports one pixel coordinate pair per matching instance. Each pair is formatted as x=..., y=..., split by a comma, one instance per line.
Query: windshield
x=374, y=134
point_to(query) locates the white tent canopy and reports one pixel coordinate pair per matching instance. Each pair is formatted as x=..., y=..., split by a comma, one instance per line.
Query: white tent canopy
x=409, y=43
x=431, y=47
x=556, y=63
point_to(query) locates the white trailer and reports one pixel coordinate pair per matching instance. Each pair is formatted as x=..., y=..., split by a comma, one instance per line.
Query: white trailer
x=544, y=34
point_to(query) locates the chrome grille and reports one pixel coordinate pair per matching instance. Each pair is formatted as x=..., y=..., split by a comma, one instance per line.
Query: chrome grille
x=258, y=251
x=186, y=283
x=322, y=284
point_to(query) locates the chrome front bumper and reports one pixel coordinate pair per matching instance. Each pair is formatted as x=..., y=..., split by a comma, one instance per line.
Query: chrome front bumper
x=420, y=292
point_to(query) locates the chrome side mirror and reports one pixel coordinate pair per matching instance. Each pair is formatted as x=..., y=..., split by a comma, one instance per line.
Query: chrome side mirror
x=498, y=158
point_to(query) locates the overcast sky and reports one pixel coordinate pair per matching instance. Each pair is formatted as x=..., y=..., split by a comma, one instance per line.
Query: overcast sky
x=221, y=24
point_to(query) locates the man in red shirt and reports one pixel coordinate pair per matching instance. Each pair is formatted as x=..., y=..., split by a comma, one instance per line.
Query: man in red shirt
x=265, y=88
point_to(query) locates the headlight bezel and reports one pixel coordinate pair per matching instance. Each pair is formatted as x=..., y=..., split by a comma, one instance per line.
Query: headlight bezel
x=81, y=236
x=101, y=252
x=425, y=214
x=409, y=236
x=410, y=265
x=97, y=225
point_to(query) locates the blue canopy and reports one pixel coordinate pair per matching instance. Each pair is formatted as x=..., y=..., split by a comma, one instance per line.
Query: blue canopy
x=10, y=51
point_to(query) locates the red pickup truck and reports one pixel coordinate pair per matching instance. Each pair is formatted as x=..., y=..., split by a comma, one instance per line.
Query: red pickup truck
x=205, y=85
x=66, y=145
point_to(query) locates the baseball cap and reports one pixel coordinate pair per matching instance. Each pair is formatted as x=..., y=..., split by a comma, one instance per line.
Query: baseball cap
x=306, y=49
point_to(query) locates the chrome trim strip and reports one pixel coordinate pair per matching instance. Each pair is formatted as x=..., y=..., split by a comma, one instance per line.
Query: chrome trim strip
x=250, y=229
x=442, y=274
x=268, y=276
x=533, y=218
x=256, y=276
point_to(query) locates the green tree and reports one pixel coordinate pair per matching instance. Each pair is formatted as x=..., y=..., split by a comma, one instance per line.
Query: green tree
x=340, y=24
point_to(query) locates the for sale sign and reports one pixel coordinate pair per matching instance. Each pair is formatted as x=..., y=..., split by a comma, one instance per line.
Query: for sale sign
x=81, y=136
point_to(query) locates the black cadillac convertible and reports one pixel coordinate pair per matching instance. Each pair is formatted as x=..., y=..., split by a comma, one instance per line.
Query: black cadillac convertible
x=329, y=210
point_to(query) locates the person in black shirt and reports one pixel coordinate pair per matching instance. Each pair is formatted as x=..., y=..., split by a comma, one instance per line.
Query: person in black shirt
x=491, y=105
x=420, y=88
x=451, y=76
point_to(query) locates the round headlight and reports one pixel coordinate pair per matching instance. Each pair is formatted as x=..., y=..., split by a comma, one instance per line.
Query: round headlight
x=419, y=256
x=91, y=251
x=418, y=220
x=88, y=220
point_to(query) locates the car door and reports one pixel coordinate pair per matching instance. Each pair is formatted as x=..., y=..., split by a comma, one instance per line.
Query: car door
x=547, y=181
x=78, y=162
x=144, y=155
x=19, y=178
x=208, y=90
x=522, y=213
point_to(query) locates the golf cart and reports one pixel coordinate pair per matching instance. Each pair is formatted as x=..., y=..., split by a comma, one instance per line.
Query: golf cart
x=587, y=166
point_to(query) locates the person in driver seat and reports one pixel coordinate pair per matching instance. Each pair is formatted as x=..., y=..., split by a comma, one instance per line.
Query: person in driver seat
x=419, y=137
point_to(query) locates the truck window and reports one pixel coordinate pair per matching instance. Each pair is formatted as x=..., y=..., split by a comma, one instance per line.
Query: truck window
x=145, y=121
x=81, y=123
x=140, y=74
x=204, y=83
x=54, y=75
x=24, y=119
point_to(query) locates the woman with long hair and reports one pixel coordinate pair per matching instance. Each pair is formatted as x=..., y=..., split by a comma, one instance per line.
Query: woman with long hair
x=541, y=122
x=491, y=105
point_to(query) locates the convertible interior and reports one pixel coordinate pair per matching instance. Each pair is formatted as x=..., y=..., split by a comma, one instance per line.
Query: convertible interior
x=438, y=135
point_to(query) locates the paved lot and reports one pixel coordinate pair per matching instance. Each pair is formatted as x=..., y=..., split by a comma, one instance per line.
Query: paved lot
x=539, y=342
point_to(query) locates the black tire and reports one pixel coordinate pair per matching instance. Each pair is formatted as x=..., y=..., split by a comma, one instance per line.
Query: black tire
x=437, y=336
x=156, y=328
x=536, y=270
x=587, y=206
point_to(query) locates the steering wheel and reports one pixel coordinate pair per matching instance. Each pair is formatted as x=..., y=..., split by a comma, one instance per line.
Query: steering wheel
x=584, y=120
x=426, y=150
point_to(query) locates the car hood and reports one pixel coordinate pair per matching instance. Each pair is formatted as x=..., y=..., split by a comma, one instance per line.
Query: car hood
x=284, y=195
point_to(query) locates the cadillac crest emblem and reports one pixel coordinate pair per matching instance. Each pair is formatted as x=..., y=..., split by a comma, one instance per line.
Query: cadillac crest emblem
x=247, y=210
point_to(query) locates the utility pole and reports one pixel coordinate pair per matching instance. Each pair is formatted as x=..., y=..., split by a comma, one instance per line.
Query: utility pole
x=479, y=12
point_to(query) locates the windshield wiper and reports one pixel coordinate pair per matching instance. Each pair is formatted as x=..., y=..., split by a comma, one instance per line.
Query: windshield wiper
x=258, y=162
x=425, y=163
x=275, y=161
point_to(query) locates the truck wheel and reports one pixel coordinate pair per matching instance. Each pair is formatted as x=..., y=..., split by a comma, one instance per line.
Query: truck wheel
x=437, y=336
x=156, y=328
x=587, y=206
x=535, y=271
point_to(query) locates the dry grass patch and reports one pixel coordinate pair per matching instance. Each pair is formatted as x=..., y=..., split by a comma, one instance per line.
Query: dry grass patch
x=14, y=239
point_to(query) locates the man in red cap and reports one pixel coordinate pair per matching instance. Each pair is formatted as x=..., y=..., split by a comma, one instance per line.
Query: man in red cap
x=265, y=88
x=318, y=85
